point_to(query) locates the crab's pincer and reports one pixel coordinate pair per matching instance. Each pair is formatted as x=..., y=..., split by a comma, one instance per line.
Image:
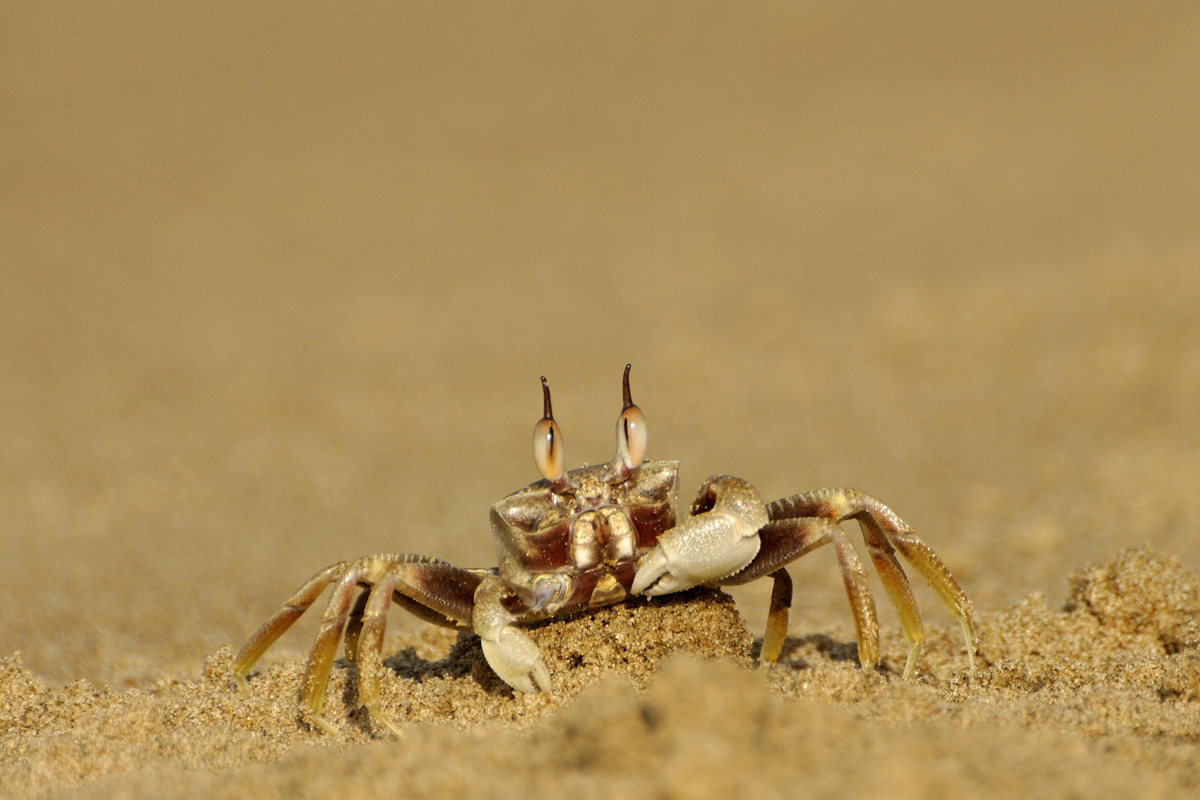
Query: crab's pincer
x=718, y=541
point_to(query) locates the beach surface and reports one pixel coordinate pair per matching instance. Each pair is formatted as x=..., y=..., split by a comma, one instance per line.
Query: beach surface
x=279, y=284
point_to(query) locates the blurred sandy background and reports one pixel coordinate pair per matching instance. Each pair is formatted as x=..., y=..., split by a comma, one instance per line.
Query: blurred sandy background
x=277, y=284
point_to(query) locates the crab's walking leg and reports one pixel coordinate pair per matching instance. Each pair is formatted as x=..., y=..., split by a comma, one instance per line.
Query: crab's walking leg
x=369, y=653
x=866, y=622
x=320, y=658
x=777, y=619
x=434, y=590
x=886, y=533
x=896, y=584
x=354, y=626
x=783, y=541
x=281, y=620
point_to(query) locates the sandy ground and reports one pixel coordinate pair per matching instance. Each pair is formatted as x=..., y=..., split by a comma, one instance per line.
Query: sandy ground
x=278, y=284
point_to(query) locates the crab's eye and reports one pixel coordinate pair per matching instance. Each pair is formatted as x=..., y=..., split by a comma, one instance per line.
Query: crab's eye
x=547, y=449
x=631, y=437
x=547, y=444
x=631, y=431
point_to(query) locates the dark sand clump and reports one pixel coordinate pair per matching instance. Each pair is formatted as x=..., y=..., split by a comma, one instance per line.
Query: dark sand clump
x=1104, y=694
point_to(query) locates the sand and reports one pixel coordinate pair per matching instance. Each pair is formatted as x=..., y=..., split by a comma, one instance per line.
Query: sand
x=278, y=285
x=659, y=698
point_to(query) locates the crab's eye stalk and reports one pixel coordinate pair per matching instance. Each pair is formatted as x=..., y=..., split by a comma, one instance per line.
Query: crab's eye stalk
x=548, y=443
x=631, y=434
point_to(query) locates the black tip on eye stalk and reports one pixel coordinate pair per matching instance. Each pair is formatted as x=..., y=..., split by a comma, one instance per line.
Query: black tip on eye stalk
x=624, y=387
x=547, y=413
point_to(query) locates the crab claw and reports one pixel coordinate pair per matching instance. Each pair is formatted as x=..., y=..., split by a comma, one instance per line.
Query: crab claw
x=720, y=539
x=517, y=660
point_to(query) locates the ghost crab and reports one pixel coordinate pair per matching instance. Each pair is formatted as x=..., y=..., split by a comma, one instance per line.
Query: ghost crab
x=595, y=536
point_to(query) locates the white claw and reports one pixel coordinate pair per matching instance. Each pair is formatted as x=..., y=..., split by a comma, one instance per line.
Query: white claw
x=517, y=660
x=707, y=547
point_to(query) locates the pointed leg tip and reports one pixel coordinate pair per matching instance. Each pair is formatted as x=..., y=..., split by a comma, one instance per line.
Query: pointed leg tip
x=910, y=666
x=322, y=724
x=969, y=635
x=382, y=720
x=868, y=657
